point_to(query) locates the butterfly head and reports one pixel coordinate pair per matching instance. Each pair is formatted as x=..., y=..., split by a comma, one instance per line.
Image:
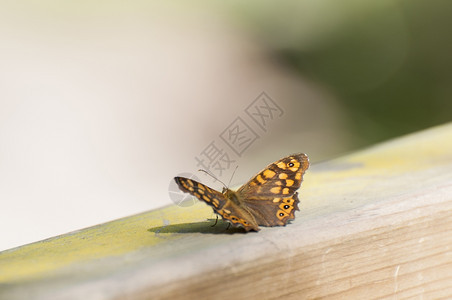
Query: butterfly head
x=231, y=195
x=227, y=192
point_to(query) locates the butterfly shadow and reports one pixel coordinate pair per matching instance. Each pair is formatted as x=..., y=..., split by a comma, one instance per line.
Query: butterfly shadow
x=205, y=227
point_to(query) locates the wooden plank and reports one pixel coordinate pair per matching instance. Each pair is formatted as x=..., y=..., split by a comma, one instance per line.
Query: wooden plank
x=373, y=224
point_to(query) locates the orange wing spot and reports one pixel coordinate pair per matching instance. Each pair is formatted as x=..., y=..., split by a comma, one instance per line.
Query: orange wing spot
x=260, y=179
x=283, y=176
x=227, y=211
x=190, y=182
x=275, y=190
x=293, y=165
x=285, y=207
x=207, y=199
x=289, y=182
x=269, y=174
x=216, y=202
x=281, y=165
x=184, y=184
x=296, y=163
x=252, y=183
x=285, y=191
x=288, y=201
x=276, y=200
x=197, y=195
x=235, y=219
x=201, y=191
x=278, y=183
x=298, y=176
x=281, y=214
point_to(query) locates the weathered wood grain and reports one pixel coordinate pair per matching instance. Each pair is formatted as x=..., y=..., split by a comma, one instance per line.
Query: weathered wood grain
x=373, y=224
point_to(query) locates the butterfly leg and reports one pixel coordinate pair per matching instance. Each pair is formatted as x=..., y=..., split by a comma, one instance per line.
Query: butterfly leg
x=215, y=222
x=229, y=225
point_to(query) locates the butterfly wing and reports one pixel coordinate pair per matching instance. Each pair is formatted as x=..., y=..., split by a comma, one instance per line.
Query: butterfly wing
x=279, y=179
x=271, y=195
x=227, y=209
x=273, y=212
x=204, y=193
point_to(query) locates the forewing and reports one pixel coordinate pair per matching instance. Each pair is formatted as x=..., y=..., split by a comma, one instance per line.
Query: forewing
x=228, y=210
x=204, y=193
x=279, y=179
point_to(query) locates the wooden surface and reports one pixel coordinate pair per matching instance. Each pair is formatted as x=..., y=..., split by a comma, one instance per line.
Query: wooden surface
x=373, y=224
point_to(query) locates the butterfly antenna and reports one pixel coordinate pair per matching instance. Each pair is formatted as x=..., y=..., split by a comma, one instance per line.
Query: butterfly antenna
x=208, y=173
x=232, y=175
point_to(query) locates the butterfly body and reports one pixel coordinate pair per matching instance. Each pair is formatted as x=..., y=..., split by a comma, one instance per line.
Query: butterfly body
x=267, y=199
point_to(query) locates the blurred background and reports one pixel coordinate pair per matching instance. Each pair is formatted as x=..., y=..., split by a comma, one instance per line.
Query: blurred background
x=103, y=103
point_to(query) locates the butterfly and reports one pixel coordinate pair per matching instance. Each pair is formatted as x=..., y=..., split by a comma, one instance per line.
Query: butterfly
x=267, y=199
